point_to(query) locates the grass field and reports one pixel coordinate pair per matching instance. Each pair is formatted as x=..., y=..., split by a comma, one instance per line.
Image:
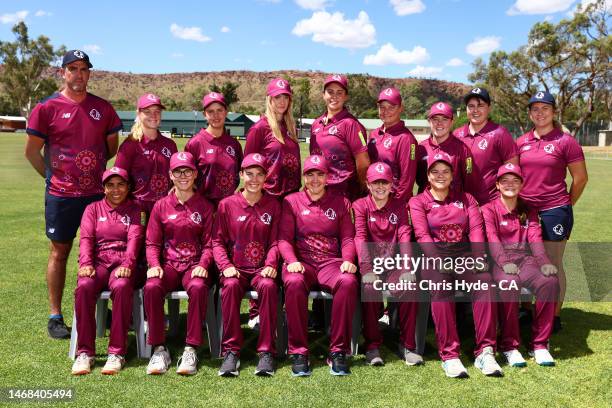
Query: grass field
x=30, y=359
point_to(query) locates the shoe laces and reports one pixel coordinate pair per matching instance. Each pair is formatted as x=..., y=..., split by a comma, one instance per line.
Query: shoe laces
x=113, y=358
x=82, y=358
x=189, y=357
x=229, y=356
x=157, y=357
x=266, y=358
x=299, y=359
x=339, y=357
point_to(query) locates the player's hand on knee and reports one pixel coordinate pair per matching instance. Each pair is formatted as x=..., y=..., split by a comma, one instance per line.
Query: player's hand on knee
x=123, y=272
x=348, y=267
x=155, y=272
x=295, y=267
x=199, y=272
x=511, y=269
x=268, y=272
x=87, y=271
x=548, y=269
x=231, y=272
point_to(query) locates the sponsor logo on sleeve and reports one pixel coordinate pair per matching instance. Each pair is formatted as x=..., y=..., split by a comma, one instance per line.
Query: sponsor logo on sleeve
x=412, y=151
x=468, y=165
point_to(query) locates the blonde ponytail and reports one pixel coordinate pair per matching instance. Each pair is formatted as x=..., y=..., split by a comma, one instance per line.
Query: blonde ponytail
x=137, y=130
x=287, y=117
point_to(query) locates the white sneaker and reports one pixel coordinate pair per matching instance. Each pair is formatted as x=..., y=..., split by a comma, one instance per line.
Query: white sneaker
x=543, y=357
x=83, y=364
x=486, y=363
x=515, y=358
x=254, y=322
x=114, y=364
x=160, y=360
x=454, y=368
x=188, y=362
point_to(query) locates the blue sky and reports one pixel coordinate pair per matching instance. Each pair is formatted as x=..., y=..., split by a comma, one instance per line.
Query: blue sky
x=389, y=38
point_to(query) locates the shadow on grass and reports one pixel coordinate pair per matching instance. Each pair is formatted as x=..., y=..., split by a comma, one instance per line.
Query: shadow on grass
x=571, y=342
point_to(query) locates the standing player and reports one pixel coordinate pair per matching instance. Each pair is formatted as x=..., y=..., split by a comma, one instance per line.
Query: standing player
x=145, y=154
x=394, y=144
x=448, y=225
x=515, y=242
x=381, y=223
x=79, y=134
x=340, y=138
x=490, y=145
x=546, y=153
x=274, y=137
x=244, y=247
x=179, y=254
x=217, y=154
x=316, y=242
x=440, y=119
x=111, y=238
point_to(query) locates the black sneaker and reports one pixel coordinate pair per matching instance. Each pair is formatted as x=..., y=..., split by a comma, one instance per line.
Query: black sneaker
x=57, y=328
x=338, y=364
x=230, y=365
x=557, y=324
x=265, y=366
x=300, y=366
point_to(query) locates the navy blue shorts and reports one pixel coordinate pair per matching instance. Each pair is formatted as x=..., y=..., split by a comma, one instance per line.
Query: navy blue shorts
x=63, y=215
x=557, y=223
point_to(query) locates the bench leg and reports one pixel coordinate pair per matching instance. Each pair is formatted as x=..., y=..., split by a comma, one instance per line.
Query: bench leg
x=220, y=324
x=101, y=312
x=212, y=328
x=143, y=350
x=73, y=338
x=421, y=325
x=173, y=316
x=356, y=330
x=281, y=340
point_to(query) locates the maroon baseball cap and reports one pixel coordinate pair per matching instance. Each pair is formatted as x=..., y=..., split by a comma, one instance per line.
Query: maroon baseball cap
x=149, y=99
x=213, y=97
x=254, y=159
x=114, y=171
x=278, y=86
x=390, y=95
x=182, y=159
x=441, y=108
x=509, y=168
x=440, y=156
x=337, y=78
x=379, y=171
x=315, y=162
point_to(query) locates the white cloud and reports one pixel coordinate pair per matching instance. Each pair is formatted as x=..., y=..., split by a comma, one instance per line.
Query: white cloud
x=43, y=13
x=425, y=72
x=483, y=45
x=313, y=4
x=607, y=4
x=548, y=18
x=12, y=18
x=225, y=29
x=177, y=55
x=454, y=62
x=388, y=54
x=336, y=31
x=539, y=6
x=406, y=7
x=188, y=33
x=92, y=49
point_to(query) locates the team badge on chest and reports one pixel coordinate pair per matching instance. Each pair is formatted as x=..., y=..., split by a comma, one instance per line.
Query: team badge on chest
x=196, y=217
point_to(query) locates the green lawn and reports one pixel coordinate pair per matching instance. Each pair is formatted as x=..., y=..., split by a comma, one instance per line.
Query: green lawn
x=30, y=359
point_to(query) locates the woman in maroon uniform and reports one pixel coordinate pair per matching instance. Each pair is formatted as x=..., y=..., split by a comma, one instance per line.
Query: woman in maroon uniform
x=145, y=154
x=244, y=247
x=179, y=254
x=515, y=242
x=275, y=138
x=111, y=238
x=217, y=154
x=316, y=242
x=546, y=153
x=449, y=227
x=341, y=139
x=381, y=226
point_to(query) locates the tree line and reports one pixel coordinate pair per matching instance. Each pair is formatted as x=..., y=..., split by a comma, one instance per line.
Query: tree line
x=570, y=59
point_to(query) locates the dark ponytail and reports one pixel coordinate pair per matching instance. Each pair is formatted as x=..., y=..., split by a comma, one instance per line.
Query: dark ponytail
x=522, y=211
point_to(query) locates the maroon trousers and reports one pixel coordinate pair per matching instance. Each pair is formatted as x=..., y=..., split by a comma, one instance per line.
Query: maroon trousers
x=86, y=295
x=343, y=287
x=232, y=292
x=546, y=290
x=443, y=312
x=155, y=290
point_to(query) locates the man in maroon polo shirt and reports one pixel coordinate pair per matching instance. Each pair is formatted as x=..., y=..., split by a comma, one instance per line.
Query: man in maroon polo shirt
x=78, y=132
